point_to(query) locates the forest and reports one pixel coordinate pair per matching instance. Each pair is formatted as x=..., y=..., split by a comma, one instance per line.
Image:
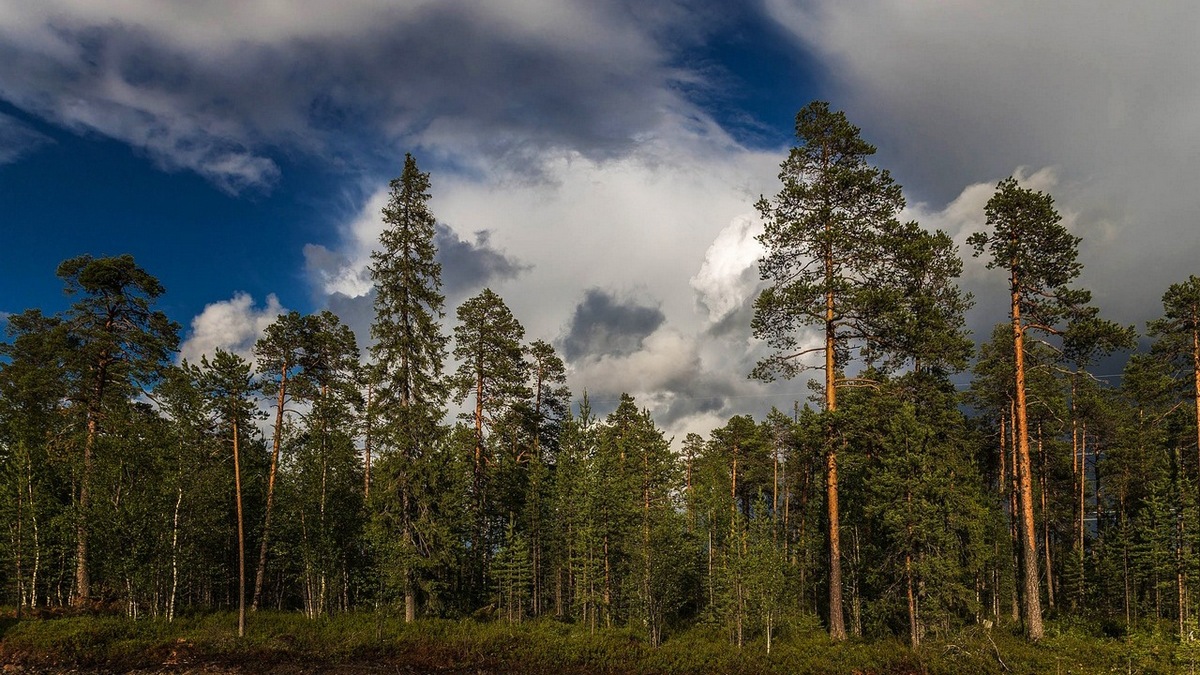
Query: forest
x=326, y=477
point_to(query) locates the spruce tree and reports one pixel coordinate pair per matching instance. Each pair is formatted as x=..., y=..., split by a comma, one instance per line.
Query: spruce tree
x=409, y=349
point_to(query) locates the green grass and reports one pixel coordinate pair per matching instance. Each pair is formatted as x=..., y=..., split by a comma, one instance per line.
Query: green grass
x=289, y=640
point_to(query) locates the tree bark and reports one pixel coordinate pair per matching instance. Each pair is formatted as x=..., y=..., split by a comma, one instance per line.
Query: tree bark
x=837, y=625
x=262, y=549
x=1196, y=370
x=237, y=486
x=1032, y=599
x=1045, y=521
x=83, y=586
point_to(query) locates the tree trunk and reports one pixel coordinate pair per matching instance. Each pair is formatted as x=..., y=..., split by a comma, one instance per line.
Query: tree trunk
x=37, y=547
x=367, y=444
x=175, y=552
x=1045, y=521
x=237, y=486
x=914, y=635
x=1196, y=371
x=1032, y=599
x=275, y=442
x=837, y=625
x=83, y=586
x=18, y=545
x=1180, y=594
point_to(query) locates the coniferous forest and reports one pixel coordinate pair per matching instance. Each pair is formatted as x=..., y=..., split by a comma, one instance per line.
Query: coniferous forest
x=326, y=477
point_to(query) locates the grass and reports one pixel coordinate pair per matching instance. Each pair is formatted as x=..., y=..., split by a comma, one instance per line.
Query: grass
x=361, y=642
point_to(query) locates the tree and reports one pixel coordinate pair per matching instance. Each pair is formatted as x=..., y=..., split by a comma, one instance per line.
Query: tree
x=824, y=234
x=121, y=343
x=409, y=345
x=183, y=402
x=33, y=386
x=1177, y=336
x=1028, y=241
x=226, y=383
x=280, y=353
x=328, y=458
x=548, y=408
x=492, y=370
x=551, y=397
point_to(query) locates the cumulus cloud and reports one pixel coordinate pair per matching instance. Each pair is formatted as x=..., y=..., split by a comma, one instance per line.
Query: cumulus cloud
x=729, y=272
x=233, y=325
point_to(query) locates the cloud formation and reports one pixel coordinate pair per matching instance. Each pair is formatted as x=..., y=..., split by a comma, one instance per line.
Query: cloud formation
x=959, y=94
x=603, y=325
x=18, y=140
x=729, y=273
x=233, y=325
x=219, y=88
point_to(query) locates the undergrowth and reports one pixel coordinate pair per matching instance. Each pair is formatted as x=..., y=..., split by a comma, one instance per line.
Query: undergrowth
x=432, y=645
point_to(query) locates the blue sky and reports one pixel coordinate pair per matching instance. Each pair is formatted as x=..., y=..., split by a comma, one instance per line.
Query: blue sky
x=595, y=163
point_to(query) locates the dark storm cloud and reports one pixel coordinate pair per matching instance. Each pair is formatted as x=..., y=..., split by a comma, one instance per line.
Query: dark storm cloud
x=602, y=324
x=956, y=94
x=685, y=405
x=455, y=75
x=357, y=313
x=467, y=266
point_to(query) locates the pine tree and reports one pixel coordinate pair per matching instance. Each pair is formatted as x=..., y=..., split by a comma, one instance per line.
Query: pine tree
x=226, y=383
x=279, y=353
x=1177, y=337
x=121, y=343
x=328, y=458
x=825, y=235
x=1028, y=241
x=492, y=374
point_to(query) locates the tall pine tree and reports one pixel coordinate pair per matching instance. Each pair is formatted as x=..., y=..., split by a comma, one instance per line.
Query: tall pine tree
x=825, y=233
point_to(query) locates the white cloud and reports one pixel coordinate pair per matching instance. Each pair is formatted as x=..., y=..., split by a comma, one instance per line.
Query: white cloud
x=233, y=325
x=640, y=227
x=730, y=269
x=18, y=140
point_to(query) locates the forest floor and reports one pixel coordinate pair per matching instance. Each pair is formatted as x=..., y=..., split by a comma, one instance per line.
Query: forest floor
x=361, y=643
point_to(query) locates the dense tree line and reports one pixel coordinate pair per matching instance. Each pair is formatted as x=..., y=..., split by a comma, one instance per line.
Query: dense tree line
x=315, y=479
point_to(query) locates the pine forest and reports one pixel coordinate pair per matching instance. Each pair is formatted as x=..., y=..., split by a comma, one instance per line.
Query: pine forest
x=935, y=483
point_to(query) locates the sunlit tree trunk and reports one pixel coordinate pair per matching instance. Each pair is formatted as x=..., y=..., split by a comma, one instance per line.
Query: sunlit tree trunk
x=237, y=486
x=1032, y=599
x=275, y=442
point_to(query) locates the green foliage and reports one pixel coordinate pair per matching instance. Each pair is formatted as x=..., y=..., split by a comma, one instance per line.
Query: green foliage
x=824, y=233
x=281, y=641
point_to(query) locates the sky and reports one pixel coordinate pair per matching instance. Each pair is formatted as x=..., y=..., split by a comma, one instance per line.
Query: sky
x=594, y=162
